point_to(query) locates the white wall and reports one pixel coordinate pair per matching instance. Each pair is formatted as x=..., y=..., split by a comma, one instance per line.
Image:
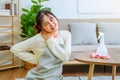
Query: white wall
x=68, y=9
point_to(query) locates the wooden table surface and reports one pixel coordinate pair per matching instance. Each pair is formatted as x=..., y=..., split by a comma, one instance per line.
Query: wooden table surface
x=113, y=61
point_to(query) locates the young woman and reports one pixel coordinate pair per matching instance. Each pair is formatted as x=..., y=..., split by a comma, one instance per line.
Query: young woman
x=51, y=48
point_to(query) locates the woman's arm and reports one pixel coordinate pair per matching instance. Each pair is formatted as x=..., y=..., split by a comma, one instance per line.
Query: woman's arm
x=21, y=50
x=62, y=53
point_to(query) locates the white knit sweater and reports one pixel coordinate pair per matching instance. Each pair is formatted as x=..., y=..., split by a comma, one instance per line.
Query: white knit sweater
x=37, y=44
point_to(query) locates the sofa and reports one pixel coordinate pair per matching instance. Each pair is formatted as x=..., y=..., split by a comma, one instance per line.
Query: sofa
x=85, y=32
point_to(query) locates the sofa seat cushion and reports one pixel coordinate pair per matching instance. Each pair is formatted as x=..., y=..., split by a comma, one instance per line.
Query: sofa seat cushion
x=72, y=57
x=83, y=33
x=90, y=47
x=83, y=47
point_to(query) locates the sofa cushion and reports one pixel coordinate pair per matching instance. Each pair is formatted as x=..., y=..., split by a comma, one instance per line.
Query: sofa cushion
x=111, y=32
x=83, y=33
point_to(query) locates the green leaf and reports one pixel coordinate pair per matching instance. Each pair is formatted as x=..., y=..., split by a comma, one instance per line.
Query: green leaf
x=23, y=35
x=39, y=1
x=25, y=10
x=31, y=31
x=44, y=0
x=23, y=17
x=35, y=8
x=34, y=15
x=34, y=2
x=22, y=22
x=46, y=8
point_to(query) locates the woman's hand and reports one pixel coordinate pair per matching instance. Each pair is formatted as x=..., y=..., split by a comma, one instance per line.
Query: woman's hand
x=46, y=35
x=36, y=68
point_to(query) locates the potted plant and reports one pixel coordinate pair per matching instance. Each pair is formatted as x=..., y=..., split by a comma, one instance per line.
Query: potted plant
x=28, y=18
x=28, y=22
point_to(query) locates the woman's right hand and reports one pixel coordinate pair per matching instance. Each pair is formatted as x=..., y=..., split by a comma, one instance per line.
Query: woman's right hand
x=46, y=35
x=37, y=67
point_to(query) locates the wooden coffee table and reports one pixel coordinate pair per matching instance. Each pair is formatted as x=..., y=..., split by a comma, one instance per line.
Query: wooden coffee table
x=113, y=61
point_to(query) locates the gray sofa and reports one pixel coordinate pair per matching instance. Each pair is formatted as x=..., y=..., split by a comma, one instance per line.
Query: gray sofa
x=85, y=31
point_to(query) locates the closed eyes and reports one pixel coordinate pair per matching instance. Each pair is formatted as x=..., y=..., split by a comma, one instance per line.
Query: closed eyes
x=51, y=19
x=46, y=24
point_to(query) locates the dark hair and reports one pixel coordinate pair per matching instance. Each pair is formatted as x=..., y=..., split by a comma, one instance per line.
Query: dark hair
x=39, y=18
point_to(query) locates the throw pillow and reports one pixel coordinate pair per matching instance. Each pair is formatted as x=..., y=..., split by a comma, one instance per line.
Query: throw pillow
x=111, y=32
x=83, y=33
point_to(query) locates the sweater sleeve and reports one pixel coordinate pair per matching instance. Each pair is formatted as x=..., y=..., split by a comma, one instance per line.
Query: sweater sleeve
x=21, y=50
x=62, y=53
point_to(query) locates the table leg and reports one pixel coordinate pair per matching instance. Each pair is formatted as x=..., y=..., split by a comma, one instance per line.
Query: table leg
x=113, y=72
x=91, y=70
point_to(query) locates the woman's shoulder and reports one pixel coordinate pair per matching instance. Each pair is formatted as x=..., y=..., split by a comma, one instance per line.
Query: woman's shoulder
x=37, y=38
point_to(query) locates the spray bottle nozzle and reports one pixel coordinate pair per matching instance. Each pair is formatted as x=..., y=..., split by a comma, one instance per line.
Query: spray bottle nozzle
x=100, y=35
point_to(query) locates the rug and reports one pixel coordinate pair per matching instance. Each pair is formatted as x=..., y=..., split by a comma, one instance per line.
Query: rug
x=100, y=78
x=65, y=78
x=85, y=78
x=72, y=78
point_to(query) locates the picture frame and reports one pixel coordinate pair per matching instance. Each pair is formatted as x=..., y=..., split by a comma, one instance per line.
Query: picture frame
x=95, y=6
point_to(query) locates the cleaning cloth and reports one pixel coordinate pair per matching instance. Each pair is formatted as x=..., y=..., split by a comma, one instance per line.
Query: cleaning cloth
x=97, y=55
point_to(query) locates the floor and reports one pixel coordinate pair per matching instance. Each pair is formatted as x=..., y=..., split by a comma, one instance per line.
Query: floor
x=68, y=70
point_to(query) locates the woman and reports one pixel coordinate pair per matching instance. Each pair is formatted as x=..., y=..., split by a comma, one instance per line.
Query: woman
x=51, y=48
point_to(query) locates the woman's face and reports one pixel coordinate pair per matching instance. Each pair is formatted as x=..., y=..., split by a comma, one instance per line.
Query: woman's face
x=50, y=23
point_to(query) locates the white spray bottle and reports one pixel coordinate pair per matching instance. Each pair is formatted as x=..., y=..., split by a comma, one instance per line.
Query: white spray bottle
x=101, y=50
